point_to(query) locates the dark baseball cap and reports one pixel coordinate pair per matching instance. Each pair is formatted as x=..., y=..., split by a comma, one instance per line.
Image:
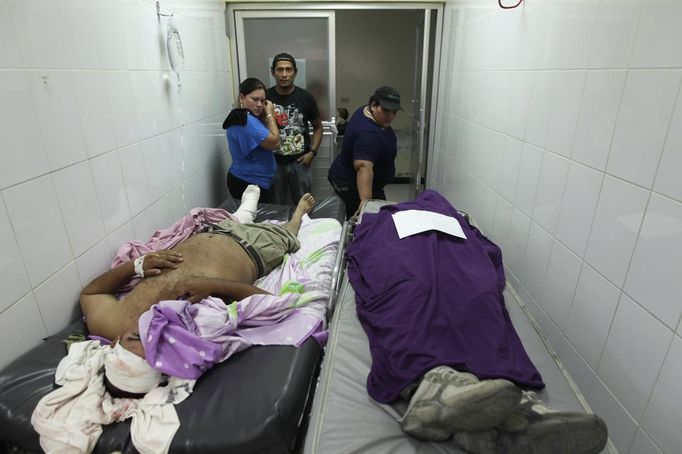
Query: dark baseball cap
x=388, y=98
x=284, y=57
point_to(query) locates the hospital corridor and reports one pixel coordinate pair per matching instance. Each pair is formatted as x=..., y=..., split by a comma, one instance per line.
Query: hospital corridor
x=335, y=227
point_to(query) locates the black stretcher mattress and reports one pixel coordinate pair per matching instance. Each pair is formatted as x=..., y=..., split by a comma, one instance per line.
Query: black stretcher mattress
x=255, y=402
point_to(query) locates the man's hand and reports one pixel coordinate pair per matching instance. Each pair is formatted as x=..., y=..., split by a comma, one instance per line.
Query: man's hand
x=155, y=262
x=306, y=159
x=195, y=289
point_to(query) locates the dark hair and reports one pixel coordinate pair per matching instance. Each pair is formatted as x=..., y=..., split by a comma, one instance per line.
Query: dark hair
x=373, y=101
x=250, y=84
x=283, y=56
x=343, y=113
x=239, y=116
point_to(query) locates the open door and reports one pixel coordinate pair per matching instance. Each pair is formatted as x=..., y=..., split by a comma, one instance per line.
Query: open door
x=262, y=34
x=308, y=31
x=421, y=100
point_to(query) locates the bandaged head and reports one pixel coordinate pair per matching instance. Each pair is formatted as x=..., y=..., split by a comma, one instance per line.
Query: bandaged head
x=129, y=372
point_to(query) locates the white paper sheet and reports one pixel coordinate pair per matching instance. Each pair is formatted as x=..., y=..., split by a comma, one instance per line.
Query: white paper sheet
x=411, y=222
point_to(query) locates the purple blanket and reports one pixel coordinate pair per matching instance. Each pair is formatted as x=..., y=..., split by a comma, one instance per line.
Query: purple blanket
x=432, y=299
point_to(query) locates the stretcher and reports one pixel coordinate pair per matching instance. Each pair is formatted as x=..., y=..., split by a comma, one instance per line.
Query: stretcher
x=344, y=419
x=255, y=402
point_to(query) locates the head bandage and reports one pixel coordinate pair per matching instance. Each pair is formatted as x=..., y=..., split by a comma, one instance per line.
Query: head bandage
x=129, y=372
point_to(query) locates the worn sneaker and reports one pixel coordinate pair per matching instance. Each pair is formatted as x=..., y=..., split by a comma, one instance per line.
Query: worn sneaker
x=447, y=401
x=536, y=429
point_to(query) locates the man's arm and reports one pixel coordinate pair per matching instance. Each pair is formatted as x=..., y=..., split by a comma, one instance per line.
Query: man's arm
x=97, y=300
x=111, y=281
x=195, y=289
x=317, y=134
x=315, y=142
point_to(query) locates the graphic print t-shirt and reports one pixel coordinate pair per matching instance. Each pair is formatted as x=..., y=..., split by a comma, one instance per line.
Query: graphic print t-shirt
x=293, y=112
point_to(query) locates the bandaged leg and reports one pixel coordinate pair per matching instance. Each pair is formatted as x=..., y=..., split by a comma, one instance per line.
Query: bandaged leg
x=246, y=212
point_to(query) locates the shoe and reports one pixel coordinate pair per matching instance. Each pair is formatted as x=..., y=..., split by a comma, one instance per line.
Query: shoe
x=447, y=401
x=536, y=429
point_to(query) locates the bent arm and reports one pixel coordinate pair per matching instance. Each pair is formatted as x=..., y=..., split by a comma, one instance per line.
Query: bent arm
x=364, y=177
x=98, y=302
x=317, y=134
x=195, y=289
x=271, y=142
x=103, y=313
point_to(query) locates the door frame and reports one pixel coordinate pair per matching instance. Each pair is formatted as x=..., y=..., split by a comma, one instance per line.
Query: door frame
x=425, y=146
x=240, y=54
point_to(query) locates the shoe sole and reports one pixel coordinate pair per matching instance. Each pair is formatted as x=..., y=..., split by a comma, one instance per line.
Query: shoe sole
x=558, y=433
x=484, y=407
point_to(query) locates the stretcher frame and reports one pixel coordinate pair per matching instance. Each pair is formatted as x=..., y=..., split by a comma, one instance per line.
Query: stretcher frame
x=344, y=419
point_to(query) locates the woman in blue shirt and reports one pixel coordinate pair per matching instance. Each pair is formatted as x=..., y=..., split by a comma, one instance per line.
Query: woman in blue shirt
x=252, y=134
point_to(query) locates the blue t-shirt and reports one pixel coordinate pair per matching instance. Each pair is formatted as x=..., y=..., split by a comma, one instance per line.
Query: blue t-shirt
x=251, y=162
x=365, y=140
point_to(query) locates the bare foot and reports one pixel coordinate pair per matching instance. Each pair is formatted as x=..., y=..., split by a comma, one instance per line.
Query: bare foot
x=305, y=205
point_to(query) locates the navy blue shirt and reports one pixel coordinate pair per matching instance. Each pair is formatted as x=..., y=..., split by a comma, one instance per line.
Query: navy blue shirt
x=365, y=140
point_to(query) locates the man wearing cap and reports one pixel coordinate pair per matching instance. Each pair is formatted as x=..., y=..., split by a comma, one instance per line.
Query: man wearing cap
x=294, y=109
x=367, y=160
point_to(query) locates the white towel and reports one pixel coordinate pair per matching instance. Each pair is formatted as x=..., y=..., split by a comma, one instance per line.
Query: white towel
x=70, y=418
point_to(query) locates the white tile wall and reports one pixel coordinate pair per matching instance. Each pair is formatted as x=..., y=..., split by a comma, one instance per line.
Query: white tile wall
x=669, y=172
x=643, y=444
x=633, y=355
x=562, y=278
x=80, y=207
x=94, y=135
x=13, y=278
x=616, y=225
x=643, y=120
x=22, y=326
x=622, y=427
x=24, y=155
x=664, y=410
x=563, y=120
x=594, y=306
x=529, y=174
x=597, y=117
x=654, y=276
x=581, y=194
x=38, y=223
x=550, y=191
x=588, y=207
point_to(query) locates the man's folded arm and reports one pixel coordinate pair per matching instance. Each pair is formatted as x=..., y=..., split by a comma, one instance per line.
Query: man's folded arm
x=195, y=289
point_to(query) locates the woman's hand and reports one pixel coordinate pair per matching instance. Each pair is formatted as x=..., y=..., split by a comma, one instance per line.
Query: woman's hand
x=269, y=108
x=155, y=262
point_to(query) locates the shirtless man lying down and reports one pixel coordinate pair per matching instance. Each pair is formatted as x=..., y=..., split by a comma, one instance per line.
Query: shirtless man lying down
x=223, y=262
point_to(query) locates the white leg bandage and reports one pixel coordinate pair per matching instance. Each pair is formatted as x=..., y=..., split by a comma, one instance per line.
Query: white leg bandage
x=247, y=210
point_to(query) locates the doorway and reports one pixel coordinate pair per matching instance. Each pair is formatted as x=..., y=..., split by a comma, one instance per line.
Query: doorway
x=348, y=50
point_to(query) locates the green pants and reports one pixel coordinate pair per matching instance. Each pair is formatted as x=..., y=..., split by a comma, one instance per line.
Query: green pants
x=266, y=243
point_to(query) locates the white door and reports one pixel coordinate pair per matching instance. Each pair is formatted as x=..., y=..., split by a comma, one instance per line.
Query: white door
x=309, y=37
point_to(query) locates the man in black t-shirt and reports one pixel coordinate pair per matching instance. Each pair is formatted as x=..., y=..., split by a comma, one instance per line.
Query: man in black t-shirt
x=294, y=109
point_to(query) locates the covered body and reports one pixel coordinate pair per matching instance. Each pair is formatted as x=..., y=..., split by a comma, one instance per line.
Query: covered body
x=432, y=299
